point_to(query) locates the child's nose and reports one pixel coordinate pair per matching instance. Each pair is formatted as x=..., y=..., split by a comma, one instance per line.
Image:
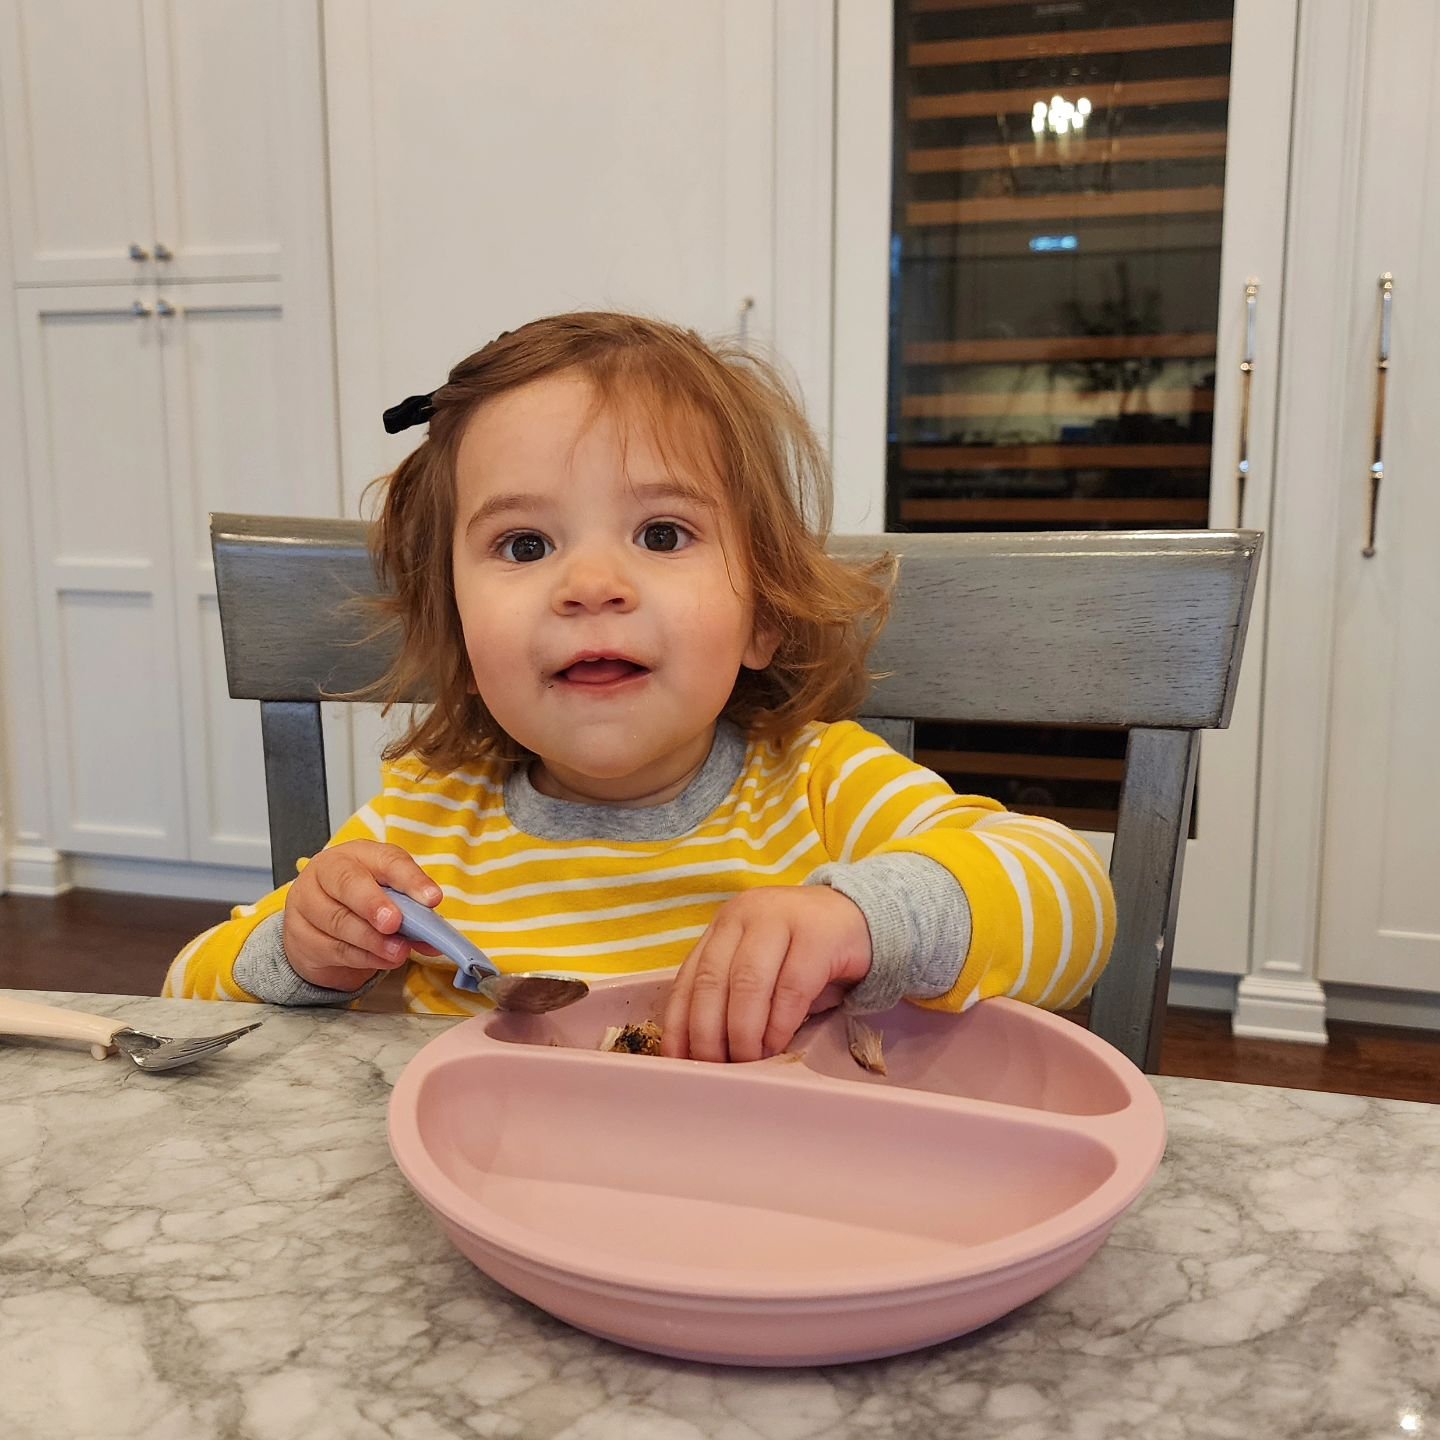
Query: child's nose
x=594, y=580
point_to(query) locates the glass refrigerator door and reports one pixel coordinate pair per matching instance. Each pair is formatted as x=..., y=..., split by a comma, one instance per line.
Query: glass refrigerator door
x=1057, y=189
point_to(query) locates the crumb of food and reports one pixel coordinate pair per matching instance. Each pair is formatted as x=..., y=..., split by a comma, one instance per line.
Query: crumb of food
x=866, y=1046
x=641, y=1039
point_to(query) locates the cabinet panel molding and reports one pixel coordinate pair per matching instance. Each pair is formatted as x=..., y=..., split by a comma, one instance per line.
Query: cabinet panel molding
x=116, y=679
x=100, y=534
x=73, y=77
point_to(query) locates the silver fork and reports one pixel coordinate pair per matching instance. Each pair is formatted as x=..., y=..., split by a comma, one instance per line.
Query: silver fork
x=103, y=1033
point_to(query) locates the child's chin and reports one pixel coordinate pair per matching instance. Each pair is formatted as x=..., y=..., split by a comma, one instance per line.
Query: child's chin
x=623, y=769
x=606, y=766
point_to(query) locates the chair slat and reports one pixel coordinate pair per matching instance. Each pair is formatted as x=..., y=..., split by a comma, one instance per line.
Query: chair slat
x=1114, y=628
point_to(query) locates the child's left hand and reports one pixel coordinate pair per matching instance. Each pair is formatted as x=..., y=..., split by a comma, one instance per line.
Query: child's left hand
x=758, y=971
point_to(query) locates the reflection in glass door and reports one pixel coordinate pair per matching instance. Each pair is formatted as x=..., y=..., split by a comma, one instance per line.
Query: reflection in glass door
x=1055, y=266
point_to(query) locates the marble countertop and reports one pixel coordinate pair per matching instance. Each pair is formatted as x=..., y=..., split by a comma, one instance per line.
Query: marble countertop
x=230, y=1251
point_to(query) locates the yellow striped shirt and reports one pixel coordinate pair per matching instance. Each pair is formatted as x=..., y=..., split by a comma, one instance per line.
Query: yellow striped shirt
x=1042, y=911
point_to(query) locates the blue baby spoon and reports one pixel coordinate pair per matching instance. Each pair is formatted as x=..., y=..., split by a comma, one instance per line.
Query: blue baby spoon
x=476, y=972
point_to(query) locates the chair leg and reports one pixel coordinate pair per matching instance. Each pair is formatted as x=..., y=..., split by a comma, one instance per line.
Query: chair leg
x=294, y=783
x=1128, y=1005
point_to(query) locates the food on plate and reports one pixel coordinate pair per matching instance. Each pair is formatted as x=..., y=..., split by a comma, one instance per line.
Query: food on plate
x=866, y=1046
x=641, y=1039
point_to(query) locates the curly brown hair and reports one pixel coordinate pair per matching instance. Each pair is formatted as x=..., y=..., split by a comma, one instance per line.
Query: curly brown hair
x=729, y=411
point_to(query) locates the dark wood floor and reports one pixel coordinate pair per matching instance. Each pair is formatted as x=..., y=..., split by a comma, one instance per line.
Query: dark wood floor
x=121, y=944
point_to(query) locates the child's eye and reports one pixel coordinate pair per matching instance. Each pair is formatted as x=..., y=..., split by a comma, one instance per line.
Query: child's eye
x=523, y=546
x=664, y=535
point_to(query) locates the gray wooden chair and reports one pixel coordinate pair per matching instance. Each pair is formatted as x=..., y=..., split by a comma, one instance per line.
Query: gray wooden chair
x=1143, y=630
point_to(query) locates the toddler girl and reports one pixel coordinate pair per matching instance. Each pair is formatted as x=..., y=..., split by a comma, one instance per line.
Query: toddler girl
x=607, y=564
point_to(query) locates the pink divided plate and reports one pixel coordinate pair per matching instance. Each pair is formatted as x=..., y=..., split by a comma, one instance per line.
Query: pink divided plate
x=793, y=1211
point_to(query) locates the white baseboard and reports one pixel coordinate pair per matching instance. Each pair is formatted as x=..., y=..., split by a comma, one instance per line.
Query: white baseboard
x=35, y=870
x=180, y=881
x=1198, y=990
x=1267, y=1008
x=1363, y=1004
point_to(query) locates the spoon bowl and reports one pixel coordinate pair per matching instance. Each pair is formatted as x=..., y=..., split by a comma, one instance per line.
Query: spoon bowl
x=476, y=972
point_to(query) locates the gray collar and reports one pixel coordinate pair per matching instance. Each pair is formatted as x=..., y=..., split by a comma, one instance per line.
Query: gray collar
x=550, y=819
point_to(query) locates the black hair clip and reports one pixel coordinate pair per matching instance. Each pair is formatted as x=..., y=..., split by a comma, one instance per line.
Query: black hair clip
x=417, y=409
x=413, y=410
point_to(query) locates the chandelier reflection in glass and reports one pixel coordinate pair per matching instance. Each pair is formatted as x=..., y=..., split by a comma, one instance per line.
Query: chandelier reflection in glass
x=1059, y=117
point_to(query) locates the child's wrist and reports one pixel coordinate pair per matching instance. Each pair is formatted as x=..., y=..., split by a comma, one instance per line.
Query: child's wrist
x=857, y=951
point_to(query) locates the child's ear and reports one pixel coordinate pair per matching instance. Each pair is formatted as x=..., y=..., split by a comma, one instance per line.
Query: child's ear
x=764, y=642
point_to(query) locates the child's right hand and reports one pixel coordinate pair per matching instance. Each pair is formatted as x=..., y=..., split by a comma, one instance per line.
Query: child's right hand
x=340, y=926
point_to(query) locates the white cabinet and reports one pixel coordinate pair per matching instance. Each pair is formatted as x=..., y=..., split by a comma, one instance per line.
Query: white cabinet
x=1347, y=905
x=151, y=139
x=96, y=465
x=152, y=392
x=141, y=416
x=1380, y=892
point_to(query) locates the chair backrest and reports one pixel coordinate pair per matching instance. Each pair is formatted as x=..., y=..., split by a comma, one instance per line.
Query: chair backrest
x=1144, y=630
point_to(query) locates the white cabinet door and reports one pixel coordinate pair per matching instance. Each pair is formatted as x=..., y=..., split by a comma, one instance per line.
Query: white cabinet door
x=181, y=129
x=96, y=461
x=76, y=139
x=1380, y=898
x=249, y=421
x=235, y=112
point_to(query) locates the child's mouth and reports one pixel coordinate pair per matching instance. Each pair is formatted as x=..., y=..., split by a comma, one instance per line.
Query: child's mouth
x=601, y=672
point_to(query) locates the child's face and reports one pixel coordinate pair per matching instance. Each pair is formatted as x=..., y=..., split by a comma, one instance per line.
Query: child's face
x=603, y=625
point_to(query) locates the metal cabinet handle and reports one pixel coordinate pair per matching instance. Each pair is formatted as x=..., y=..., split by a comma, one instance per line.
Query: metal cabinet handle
x=165, y=308
x=138, y=310
x=1247, y=371
x=746, y=306
x=138, y=252
x=1382, y=374
x=163, y=252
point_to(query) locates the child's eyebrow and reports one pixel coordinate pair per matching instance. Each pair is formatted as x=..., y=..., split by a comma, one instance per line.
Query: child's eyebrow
x=652, y=490
x=503, y=505
x=676, y=489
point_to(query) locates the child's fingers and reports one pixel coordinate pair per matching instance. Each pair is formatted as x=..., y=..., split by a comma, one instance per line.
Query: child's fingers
x=798, y=987
x=353, y=875
x=756, y=978
x=399, y=870
x=828, y=999
x=344, y=898
x=324, y=959
x=704, y=1019
x=675, y=1028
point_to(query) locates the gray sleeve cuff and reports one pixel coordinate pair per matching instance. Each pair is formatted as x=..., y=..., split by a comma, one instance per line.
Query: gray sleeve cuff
x=263, y=969
x=919, y=923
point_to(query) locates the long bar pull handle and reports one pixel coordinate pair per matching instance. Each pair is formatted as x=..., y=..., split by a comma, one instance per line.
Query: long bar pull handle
x=1247, y=371
x=1382, y=375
